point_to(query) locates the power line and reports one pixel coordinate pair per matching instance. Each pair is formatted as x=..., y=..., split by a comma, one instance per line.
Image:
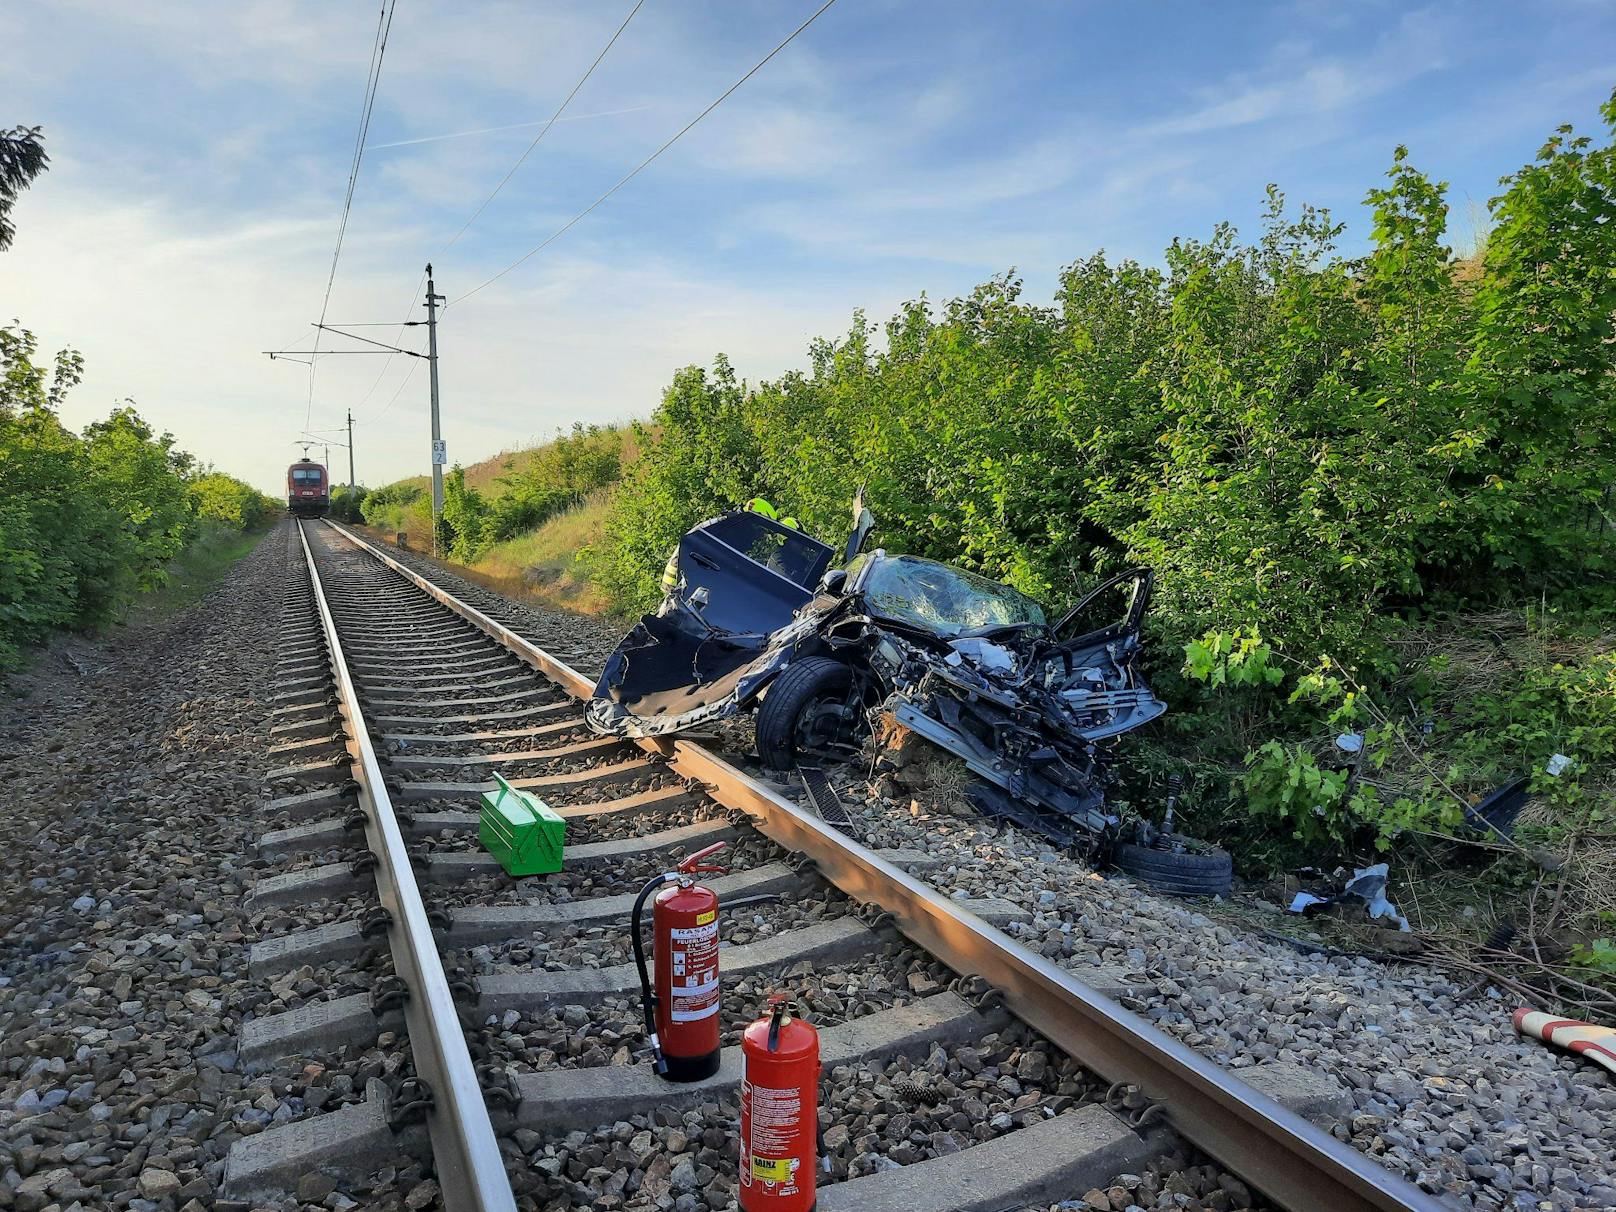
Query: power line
x=397, y=337
x=499, y=130
x=405, y=382
x=635, y=171
x=384, y=26
x=553, y=117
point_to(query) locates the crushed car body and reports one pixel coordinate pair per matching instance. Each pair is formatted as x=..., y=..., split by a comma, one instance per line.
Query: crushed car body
x=758, y=618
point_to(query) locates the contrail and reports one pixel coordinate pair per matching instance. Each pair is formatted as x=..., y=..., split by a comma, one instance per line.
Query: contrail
x=489, y=130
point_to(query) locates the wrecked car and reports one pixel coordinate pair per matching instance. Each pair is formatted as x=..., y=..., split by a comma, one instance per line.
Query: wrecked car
x=760, y=618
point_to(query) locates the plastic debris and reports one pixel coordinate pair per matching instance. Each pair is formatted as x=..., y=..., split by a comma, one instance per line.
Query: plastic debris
x=1497, y=813
x=1557, y=765
x=1369, y=883
x=1350, y=742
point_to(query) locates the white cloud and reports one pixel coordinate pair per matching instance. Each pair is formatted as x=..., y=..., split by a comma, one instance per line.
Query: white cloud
x=1293, y=92
x=177, y=318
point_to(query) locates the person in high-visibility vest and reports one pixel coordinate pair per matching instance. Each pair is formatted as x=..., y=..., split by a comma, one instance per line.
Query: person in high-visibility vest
x=761, y=505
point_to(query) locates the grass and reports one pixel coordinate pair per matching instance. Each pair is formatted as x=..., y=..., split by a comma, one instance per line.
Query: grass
x=485, y=474
x=193, y=572
x=545, y=563
x=539, y=566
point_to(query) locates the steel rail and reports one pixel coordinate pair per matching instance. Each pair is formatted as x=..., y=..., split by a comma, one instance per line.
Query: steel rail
x=470, y=1170
x=1293, y=1162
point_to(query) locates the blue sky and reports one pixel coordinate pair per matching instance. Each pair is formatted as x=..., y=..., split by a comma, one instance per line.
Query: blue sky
x=200, y=154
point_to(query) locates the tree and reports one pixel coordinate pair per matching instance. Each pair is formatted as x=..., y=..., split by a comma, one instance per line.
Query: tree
x=467, y=520
x=22, y=158
x=141, y=475
x=226, y=501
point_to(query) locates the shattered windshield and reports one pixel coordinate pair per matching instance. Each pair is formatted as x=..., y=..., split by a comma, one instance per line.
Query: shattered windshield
x=938, y=598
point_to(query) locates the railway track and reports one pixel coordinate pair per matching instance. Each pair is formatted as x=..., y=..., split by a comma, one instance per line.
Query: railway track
x=429, y=1014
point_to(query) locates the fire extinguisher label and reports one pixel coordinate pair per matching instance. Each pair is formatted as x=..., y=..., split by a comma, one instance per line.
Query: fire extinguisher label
x=693, y=957
x=773, y=1116
x=772, y=1169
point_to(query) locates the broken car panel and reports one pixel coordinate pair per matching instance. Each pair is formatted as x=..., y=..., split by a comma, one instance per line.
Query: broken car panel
x=757, y=618
x=709, y=649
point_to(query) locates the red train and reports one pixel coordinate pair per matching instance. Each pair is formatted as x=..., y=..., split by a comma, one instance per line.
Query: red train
x=308, y=490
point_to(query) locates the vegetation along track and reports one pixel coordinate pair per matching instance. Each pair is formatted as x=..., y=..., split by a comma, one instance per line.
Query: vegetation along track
x=423, y=1009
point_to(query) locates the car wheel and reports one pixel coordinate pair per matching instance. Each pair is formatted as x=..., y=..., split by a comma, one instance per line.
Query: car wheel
x=1198, y=869
x=804, y=708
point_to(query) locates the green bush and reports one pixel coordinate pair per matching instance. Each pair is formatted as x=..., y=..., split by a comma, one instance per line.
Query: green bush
x=86, y=521
x=349, y=506
x=467, y=525
x=385, y=507
x=1295, y=440
x=234, y=504
x=140, y=474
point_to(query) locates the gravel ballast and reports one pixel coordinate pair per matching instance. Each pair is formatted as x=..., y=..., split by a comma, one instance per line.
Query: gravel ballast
x=1445, y=1092
x=132, y=771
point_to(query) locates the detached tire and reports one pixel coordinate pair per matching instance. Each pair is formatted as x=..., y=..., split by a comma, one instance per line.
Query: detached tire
x=779, y=717
x=1201, y=871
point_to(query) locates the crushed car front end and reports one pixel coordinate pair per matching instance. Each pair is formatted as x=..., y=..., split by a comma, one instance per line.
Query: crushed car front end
x=975, y=668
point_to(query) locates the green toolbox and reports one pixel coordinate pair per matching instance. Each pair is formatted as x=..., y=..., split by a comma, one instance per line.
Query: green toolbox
x=521, y=831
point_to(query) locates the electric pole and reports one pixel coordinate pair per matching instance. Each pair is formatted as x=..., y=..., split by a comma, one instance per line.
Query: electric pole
x=439, y=452
x=439, y=457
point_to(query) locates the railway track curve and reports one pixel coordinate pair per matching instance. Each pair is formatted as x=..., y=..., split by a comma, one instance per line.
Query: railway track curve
x=428, y=1007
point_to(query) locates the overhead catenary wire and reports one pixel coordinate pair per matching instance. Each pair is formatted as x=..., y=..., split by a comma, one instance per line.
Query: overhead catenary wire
x=387, y=365
x=403, y=383
x=560, y=109
x=554, y=118
x=645, y=163
x=500, y=130
x=384, y=26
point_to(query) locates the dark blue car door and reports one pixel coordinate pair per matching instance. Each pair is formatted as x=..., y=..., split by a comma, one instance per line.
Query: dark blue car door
x=756, y=571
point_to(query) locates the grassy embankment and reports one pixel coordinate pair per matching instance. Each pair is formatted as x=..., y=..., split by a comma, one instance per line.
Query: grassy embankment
x=543, y=563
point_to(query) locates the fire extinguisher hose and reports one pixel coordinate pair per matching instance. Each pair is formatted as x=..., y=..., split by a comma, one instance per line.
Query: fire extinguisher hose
x=647, y=997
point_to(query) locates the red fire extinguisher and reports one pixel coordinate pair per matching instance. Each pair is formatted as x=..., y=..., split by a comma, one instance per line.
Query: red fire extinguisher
x=681, y=1013
x=779, y=1112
